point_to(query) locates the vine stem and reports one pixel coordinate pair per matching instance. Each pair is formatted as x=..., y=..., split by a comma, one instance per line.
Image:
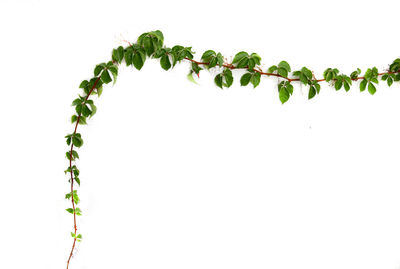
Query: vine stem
x=71, y=172
x=231, y=66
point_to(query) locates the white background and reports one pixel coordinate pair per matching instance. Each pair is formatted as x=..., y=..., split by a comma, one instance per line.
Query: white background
x=178, y=175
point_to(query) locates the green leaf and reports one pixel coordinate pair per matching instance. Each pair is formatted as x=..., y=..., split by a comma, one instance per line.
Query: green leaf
x=272, y=69
x=317, y=87
x=338, y=84
x=78, y=211
x=390, y=81
x=86, y=111
x=137, y=60
x=220, y=59
x=251, y=63
x=84, y=84
x=307, y=72
x=98, y=69
x=114, y=71
x=118, y=54
x=283, y=95
x=283, y=72
x=245, y=79
x=256, y=57
x=303, y=79
x=284, y=65
x=93, y=108
x=371, y=88
x=228, y=77
x=346, y=86
x=148, y=45
x=99, y=90
x=164, y=62
x=74, y=118
x=311, y=92
x=207, y=55
x=128, y=56
x=212, y=63
x=289, y=87
x=76, y=198
x=70, y=210
x=255, y=79
x=82, y=120
x=105, y=77
x=239, y=56
x=77, y=140
x=243, y=63
x=218, y=80
x=363, y=85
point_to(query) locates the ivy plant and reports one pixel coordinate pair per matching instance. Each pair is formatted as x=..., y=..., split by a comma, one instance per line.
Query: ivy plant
x=150, y=45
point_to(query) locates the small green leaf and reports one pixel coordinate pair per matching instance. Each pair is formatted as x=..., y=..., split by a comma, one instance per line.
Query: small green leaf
x=338, y=84
x=243, y=62
x=371, y=88
x=207, y=55
x=218, y=80
x=84, y=84
x=307, y=72
x=82, y=120
x=363, y=85
x=228, y=77
x=164, y=62
x=317, y=87
x=251, y=63
x=148, y=45
x=220, y=59
x=86, y=111
x=346, y=86
x=284, y=65
x=245, y=79
x=283, y=95
x=256, y=57
x=98, y=69
x=77, y=140
x=76, y=198
x=137, y=60
x=105, y=77
x=283, y=72
x=255, y=79
x=303, y=79
x=239, y=56
x=390, y=81
x=311, y=92
x=78, y=211
x=272, y=69
x=70, y=210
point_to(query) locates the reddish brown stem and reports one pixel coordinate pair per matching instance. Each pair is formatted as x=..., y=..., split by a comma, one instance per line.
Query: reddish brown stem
x=71, y=172
x=231, y=66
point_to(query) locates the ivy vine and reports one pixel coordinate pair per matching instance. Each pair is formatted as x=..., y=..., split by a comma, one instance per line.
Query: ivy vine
x=151, y=45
